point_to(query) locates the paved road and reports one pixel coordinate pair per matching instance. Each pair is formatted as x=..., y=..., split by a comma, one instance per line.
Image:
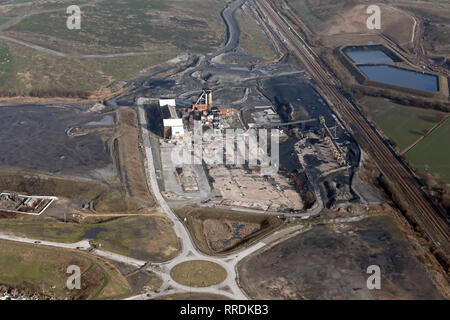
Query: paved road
x=119, y=258
x=230, y=286
x=188, y=249
x=81, y=245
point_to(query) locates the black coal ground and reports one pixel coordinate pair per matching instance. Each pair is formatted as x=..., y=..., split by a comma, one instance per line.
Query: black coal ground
x=330, y=262
x=34, y=138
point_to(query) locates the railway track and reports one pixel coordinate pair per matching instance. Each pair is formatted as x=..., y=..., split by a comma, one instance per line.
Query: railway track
x=434, y=223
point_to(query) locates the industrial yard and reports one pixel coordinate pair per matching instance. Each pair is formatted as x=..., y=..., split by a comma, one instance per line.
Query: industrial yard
x=16, y=203
x=226, y=171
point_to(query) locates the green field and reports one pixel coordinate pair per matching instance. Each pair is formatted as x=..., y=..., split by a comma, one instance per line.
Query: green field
x=162, y=27
x=146, y=238
x=198, y=273
x=41, y=269
x=6, y=66
x=24, y=70
x=130, y=25
x=16, y=8
x=253, y=40
x=432, y=154
x=303, y=9
x=436, y=39
x=403, y=125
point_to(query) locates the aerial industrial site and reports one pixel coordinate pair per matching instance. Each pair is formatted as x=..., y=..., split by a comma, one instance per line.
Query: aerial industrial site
x=224, y=150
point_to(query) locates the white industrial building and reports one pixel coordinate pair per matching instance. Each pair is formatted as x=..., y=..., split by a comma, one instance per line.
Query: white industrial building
x=173, y=129
x=167, y=102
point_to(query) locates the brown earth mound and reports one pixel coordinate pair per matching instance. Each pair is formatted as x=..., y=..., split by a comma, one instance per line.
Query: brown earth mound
x=222, y=235
x=395, y=23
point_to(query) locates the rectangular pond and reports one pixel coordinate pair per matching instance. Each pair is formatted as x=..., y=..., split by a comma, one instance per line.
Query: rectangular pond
x=368, y=56
x=401, y=77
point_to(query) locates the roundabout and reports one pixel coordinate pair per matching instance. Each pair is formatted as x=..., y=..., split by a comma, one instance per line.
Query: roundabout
x=198, y=273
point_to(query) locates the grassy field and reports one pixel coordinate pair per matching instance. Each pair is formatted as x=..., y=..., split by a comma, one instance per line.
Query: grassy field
x=104, y=200
x=331, y=17
x=198, y=273
x=253, y=40
x=24, y=70
x=436, y=39
x=42, y=269
x=16, y=8
x=146, y=238
x=305, y=12
x=404, y=125
x=432, y=154
x=6, y=67
x=131, y=25
x=164, y=27
x=437, y=30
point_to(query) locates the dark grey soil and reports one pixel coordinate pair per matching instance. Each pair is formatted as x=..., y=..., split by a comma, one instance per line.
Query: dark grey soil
x=34, y=138
x=330, y=262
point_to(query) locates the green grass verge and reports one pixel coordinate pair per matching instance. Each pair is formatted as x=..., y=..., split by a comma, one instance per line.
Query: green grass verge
x=146, y=238
x=41, y=269
x=253, y=40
